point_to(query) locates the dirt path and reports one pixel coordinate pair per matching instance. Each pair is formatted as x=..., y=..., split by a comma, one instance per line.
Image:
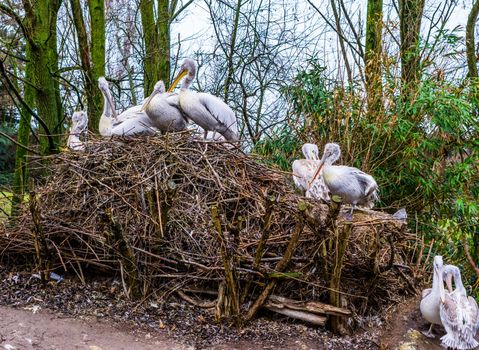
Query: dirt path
x=25, y=330
x=403, y=329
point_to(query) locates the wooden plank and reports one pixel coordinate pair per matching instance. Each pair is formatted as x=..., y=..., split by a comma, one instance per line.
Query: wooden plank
x=300, y=315
x=316, y=307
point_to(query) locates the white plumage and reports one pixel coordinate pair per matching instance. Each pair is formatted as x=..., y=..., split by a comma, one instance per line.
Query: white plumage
x=459, y=313
x=206, y=110
x=163, y=109
x=354, y=186
x=131, y=122
x=304, y=170
x=431, y=297
x=78, y=127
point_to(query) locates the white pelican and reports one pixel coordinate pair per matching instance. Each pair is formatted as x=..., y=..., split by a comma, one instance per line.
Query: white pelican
x=304, y=170
x=206, y=110
x=431, y=297
x=163, y=109
x=351, y=184
x=129, y=123
x=459, y=313
x=78, y=127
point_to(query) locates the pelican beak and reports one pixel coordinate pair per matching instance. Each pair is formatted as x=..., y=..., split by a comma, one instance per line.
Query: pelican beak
x=148, y=100
x=317, y=172
x=449, y=282
x=178, y=78
x=112, y=105
x=442, y=293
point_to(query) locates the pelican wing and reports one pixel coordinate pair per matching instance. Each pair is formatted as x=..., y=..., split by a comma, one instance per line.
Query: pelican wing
x=132, y=112
x=449, y=316
x=367, y=183
x=458, y=320
x=219, y=110
x=140, y=125
x=474, y=313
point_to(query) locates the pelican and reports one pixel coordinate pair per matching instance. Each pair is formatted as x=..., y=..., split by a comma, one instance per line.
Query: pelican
x=129, y=123
x=431, y=297
x=204, y=109
x=163, y=109
x=351, y=184
x=78, y=127
x=459, y=313
x=304, y=170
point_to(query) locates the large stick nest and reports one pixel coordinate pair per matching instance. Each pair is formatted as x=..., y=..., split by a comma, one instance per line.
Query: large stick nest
x=157, y=193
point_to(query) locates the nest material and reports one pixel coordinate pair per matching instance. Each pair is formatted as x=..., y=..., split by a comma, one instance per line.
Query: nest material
x=177, y=213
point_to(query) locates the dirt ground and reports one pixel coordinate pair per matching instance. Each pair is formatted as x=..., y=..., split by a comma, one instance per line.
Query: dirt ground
x=34, y=328
x=96, y=316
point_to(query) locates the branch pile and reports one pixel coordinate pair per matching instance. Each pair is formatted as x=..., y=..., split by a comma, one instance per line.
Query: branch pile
x=177, y=214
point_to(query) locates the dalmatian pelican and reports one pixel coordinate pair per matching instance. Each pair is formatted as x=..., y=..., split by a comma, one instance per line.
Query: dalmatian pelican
x=206, y=110
x=304, y=170
x=431, y=297
x=351, y=184
x=78, y=127
x=131, y=122
x=163, y=109
x=459, y=313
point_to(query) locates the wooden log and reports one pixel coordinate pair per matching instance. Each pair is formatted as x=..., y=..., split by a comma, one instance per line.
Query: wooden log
x=200, y=303
x=300, y=315
x=316, y=307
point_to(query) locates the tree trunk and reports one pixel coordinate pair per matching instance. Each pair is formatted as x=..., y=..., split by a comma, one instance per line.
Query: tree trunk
x=470, y=40
x=471, y=54
x=20, y=175
x=229, y=77
x=151, y=61
x=97, y=20
x=91, y=89
x=373, y=66
x=410, y=15
x=41, y=30
x=163, y=49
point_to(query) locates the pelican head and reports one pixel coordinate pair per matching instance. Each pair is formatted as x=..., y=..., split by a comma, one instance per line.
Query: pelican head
x=105, y=89
x=310, y=151
x=79, y=121
x=159, y=88
x=188, y=67
x=332, y=152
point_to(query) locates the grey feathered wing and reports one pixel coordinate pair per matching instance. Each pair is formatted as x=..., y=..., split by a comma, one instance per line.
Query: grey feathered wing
x=222, y=114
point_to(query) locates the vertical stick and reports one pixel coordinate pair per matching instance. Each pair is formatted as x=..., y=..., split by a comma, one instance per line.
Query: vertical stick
x=281, y=266
x=41, y=248
x=262, y=242
x=341, y=242
x=230, y=269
